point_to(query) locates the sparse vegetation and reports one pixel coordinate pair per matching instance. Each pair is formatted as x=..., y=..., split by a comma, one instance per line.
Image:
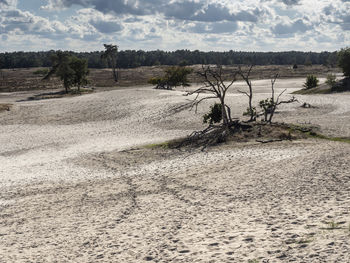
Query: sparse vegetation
x=24, y=79
x=304, y=241
x=70, y=69
x=174, y=76
x=311, y=82
x=214, y=115
x=331, y=80
x=215, y=87
x=269, y=106
x=42, y=72
x=331, y=225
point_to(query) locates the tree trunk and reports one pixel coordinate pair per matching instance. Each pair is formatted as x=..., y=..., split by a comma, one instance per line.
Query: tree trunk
x=250, y=103
x=115, y=74
x=224, y=113
x=66, y=86
x=273, y=109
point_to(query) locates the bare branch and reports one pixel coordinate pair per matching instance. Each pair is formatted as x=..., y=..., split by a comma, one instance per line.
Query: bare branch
x=214, y=84
x=243, y=92
x=291, y=100
x=196, y=102
x=280, y=96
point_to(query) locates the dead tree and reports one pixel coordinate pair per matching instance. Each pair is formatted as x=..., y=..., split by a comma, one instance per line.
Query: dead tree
x=251, y=111
x=215, y=86
x=270, y=105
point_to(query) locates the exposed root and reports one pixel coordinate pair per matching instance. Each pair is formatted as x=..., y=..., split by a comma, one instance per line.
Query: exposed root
x=242, y=132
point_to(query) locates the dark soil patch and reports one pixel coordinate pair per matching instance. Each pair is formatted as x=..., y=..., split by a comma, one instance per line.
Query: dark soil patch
x=5, y=107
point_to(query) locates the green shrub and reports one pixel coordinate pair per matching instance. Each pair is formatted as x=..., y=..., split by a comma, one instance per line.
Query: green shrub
x=331, y=80
x=42, y=72
x=250, y=112
x=311, y=82
x=174, y=76
x=214, y=115
x=344, y=61
x=155, y=81
x=177, y=76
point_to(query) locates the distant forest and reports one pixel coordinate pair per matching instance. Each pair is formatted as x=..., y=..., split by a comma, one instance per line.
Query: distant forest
x=133, y=58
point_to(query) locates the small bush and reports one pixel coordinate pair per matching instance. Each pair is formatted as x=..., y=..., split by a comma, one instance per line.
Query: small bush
x=177, y=76
x=214, y=115
x=42, y=72
x=311, y=82
x=174, y=76
x=331, y=80
x=155, y=81
x=250, y=112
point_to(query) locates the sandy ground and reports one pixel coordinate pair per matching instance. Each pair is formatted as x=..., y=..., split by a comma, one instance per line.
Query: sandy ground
x=77, y=187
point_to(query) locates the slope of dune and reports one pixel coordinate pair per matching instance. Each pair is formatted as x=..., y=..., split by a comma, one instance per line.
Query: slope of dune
x=77, y=185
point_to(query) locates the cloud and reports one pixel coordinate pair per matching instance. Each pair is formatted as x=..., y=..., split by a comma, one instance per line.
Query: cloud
x=17, y=22
x=106, y=26
x=61, y=4
x=8, y=4
x=291, y=2
x=215, y=13
x=168, y=24
x=291, y=28
x=182, y=10
x=25, y=22
x=101, y=22
x=339, y=15
x=213, y=28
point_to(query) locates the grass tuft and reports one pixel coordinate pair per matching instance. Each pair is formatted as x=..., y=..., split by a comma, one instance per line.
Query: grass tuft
x=331, y=225
x=334, y=139
x=313, y=91
x=164, y=145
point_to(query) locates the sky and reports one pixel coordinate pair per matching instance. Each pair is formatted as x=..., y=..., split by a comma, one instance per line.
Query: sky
x=217, y=25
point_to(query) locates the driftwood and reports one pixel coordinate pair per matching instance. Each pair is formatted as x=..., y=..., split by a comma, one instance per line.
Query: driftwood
x=268, y=141
x=212, y=135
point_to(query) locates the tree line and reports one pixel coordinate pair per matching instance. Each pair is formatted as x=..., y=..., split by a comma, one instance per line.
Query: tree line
x=133, y=58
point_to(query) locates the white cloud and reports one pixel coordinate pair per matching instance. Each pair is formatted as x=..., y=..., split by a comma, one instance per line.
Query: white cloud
x=193, y=24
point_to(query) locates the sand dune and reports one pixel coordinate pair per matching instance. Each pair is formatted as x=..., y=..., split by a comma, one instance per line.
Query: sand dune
x=77, y=187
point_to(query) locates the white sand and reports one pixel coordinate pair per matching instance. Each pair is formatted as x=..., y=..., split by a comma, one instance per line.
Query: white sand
x=69, y=195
